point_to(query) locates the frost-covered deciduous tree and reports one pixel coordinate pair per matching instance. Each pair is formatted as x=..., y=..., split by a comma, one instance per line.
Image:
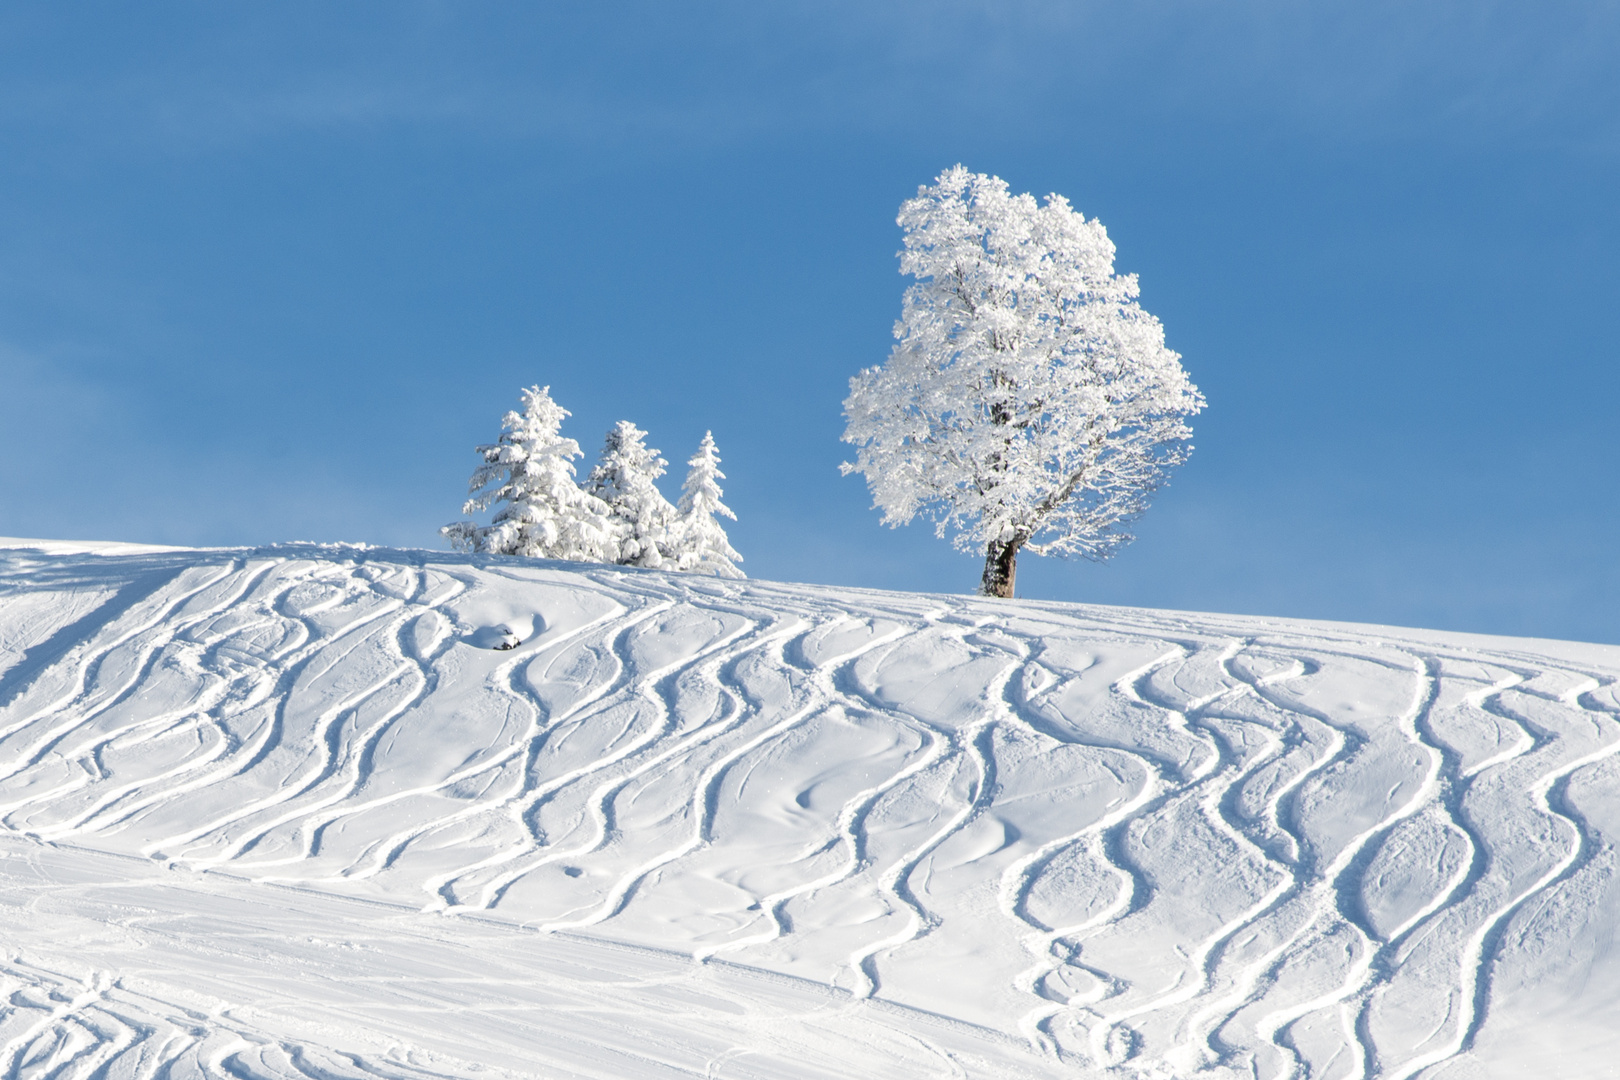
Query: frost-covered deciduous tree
x=625, y=478
x=1030, y=402
x=701, y=545
x=529, y=472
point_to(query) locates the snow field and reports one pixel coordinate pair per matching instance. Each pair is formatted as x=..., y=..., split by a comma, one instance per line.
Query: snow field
x=286, y=813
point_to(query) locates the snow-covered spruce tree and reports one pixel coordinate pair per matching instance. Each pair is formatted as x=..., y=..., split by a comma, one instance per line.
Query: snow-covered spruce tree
x=529, y=471
x=1029, y=402
x=625, y=479
x=700, y=543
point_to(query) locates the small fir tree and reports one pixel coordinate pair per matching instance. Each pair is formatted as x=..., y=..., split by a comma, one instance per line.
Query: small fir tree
x=701, y=545
x=625, y=479
x=529, y=471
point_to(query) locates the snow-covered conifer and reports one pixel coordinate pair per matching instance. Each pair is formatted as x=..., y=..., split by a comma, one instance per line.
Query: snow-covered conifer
x=625, y=479
x=700, y=544
x=529, y=471
x=1029, y=402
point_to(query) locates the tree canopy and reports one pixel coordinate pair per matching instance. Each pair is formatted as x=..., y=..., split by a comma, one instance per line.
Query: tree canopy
x=1029, y=401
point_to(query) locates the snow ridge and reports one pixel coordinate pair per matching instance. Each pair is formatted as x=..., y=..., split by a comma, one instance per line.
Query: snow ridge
x=802, y=830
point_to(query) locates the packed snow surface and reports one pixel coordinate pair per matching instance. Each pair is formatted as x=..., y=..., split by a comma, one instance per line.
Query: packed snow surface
x=290, y=813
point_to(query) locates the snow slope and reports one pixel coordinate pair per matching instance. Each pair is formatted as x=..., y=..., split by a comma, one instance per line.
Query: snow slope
x=287, y=813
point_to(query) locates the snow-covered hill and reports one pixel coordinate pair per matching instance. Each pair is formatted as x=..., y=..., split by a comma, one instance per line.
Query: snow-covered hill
x=288, y=813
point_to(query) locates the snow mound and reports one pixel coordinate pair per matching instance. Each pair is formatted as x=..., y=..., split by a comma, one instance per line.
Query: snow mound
x=286, y=813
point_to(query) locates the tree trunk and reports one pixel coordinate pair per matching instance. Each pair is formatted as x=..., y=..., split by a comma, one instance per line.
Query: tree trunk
x=1000, y=567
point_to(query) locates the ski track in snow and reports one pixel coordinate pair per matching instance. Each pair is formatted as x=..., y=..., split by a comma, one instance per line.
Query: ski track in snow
x=963, y=837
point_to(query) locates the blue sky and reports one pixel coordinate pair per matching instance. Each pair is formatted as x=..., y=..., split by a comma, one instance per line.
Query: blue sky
x=270, y=272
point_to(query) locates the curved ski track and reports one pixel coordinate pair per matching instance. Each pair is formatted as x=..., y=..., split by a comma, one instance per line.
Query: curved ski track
x=1141, y=843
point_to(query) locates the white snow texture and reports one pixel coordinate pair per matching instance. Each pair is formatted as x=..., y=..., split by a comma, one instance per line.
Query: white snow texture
x=284, y=813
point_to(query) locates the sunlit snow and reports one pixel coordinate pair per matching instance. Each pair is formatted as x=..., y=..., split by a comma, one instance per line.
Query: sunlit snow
x=288, y=813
